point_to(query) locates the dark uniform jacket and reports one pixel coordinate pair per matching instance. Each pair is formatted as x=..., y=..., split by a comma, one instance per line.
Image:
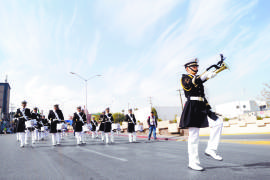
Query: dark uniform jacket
x=21, y=120
x=37, y=116
x=195, y=112
x=52, y=116
x=94, y=125
x=131, y=124
x=102, y=122
x=108, y=122
x=45, y=122
x=77, y=121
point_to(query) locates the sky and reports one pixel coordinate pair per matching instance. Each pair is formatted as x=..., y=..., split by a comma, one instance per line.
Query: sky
x=139, y=47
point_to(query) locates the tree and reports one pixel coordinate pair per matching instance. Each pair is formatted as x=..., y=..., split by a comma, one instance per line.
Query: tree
x=265, y=93
x=96, y=115
x=118, y=117
x=155, y=112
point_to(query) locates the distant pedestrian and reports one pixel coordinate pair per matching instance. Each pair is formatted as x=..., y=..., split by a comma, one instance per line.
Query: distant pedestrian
x=152, y=124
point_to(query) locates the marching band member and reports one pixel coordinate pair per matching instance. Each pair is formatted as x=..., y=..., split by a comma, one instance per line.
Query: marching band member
x=15, y=126
x=56, y=117
x=102, y=125
x=130, y=118
x=94, y=125
x=45, y=123
x=108, y=126
x=22, y=114
x=84, y=130
x=79, y=118
x=194, y=115
x=36, y=132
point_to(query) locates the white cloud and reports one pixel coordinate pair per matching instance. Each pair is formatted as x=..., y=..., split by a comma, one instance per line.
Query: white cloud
x=135, y=19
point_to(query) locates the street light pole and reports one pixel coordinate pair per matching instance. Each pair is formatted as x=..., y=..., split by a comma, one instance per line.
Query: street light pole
x=85, y=80
x=179, y=90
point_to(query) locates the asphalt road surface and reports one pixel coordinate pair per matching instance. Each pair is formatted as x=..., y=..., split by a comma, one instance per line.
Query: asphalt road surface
x=124, y=161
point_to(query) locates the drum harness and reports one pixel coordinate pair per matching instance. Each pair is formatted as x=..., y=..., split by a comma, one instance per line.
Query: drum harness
x=131, y=118
x=109, y=118
x=23, y=113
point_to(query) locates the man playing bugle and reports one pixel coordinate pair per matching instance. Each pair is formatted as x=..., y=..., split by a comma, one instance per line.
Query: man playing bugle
x=195, y=115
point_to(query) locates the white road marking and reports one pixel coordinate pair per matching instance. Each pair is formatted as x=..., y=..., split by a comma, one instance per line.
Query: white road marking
x=105, y=155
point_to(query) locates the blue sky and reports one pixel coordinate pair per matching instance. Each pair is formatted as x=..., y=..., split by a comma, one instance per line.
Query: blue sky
x=138, y=46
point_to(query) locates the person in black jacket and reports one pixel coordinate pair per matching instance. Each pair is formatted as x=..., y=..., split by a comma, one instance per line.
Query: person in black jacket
x=15, y=128
x=152, y=124
x=195, y=115
x=94, y=125
x=46, y=125
x=130, y=118
x=102, y=125
x=22, y=114
x=36, y=132
x=79, y=119
x=108, y=126
x=55, y=117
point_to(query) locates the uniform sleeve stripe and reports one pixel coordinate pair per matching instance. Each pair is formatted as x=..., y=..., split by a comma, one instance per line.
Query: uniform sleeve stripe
x=184, y=87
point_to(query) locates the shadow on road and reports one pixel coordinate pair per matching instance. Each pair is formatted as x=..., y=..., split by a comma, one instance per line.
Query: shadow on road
x=254, y=165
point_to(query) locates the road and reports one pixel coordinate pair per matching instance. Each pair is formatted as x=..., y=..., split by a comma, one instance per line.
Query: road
x=137, y=161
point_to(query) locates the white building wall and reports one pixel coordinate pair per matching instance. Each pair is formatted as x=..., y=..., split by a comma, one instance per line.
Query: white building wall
x=236, y=108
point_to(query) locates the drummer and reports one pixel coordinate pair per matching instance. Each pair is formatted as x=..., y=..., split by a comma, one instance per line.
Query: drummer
x=79, y=118
x=45, y=123
x=94, y=127
x=37, y=129
x=22, y=114
x=55, y=117
x=102, y=125
x=108, y=126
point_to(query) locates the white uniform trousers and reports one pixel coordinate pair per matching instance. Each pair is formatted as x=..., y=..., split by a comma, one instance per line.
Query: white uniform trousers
x=132, y=137
x=193, y=140
x=107, y=137
x=78, y=136
x=94, y=134
x=29, y=134
x=83, y=137
x=102, y=135
x=21, y=137
x=55, y=138
x=18, y=136
x=215, y=133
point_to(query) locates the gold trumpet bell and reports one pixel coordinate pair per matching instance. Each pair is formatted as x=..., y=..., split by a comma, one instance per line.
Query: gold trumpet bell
x=222, y=67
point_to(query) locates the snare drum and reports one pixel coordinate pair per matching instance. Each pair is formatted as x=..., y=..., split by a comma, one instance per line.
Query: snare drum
x=30, y=123
x=86, y=128
x=60, y=126
x=44, y=128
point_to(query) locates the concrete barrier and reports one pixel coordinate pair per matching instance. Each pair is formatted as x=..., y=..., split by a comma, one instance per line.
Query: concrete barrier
x=260, y=123
x=173, y=128
x=242, y=124
x=226, y=124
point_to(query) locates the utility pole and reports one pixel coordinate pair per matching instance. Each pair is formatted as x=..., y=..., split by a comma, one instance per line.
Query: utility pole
x=179, y=90
x=150, y=101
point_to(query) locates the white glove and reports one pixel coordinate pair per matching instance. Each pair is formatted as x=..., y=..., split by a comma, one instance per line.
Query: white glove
x=208, y=75
x=211, y=75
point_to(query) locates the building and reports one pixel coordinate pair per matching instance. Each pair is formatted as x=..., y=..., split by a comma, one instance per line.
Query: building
x=236, y=108
x=4, y=100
